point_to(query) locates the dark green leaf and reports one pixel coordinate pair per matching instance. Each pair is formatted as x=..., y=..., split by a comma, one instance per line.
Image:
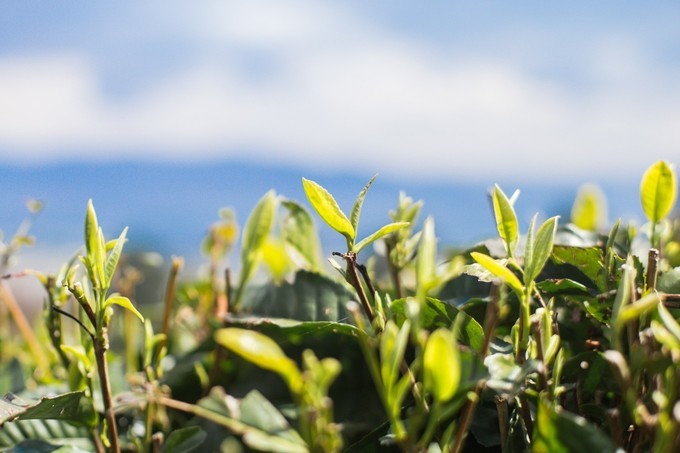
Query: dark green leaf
x=73, y=406
x=434, y=313
x=588, y=260
x=558, y=430
x=184, y=440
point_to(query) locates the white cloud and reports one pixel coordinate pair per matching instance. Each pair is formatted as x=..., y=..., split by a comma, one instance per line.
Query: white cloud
x=345, y=94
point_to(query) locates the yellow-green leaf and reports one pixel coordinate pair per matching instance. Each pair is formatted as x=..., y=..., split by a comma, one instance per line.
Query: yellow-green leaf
x=538, y=248
x=499, y=271
x=275, y=257
x=384, y=231
x=262, y=351
x=327, y=208
x=441, y=365
x=358, y=204
x=123, y=302
x=506, y=219
x=658, y=191
x=78, y=351
x=589, y=211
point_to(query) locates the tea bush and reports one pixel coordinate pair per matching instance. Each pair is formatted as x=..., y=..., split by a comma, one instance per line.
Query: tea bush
x=564, y=338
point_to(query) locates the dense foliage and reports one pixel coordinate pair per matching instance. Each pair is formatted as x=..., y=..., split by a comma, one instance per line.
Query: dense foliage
x=565, y=338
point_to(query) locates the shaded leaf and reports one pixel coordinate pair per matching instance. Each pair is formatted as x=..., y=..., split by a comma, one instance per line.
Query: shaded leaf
x=73, y=406
x=558, y=430
x=184, y=440
x=434, y=314
x=298, y=231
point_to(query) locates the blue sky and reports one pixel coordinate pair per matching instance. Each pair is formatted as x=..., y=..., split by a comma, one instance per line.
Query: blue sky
x=444, y=89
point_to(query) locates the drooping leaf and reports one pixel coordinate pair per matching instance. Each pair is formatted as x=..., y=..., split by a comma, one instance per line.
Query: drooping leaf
x=658, y=191
x=124, y=302
x=260, y=350
x=298, y=231
x=558, y=430
x=441, y=365
x=358, y=204
x=327, y=208
x=73, y=406
x=589, y=211
x=506, y=219
x=499, y=271
x=383, y=231
x=184, y=440
x=541, y=247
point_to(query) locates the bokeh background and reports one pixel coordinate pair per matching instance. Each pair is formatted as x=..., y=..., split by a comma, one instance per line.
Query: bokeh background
x=163, y=112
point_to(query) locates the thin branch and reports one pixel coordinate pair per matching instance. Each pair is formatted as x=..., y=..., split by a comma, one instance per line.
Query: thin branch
x=70, y=316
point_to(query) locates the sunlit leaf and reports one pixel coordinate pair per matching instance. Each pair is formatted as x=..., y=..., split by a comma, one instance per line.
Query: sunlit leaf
x=499, y=271
x=539, y=251
x=123, y=302
x=427, y=256
x=112, y=260
x=589, y=210
x=358, y=204
x=274, y=255
x=441, y=365
x=327, y=208
x=658, y=191
x=256, y=232
x=260, y=350
x=384, y=231
x=506, y=219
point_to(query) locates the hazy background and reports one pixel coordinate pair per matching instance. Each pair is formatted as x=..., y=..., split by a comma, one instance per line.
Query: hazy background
x=164, y=111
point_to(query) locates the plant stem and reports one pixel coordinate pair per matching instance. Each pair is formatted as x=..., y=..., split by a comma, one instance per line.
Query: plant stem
x=351, y=259
x=466, y=419
x=101, y=344
x=176, y=266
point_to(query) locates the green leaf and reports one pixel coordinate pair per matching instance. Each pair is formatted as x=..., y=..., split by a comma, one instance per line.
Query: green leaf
x=74, y=407
x=506, y=220
x=588, y=260
x=358, y=204
x=256, y=419
x=589, y=211
x=499, y=271
x=435, y=313
x=560, y=431
x=327, y=208
x=274, y=256
x=384, y=231
x=426, y=258
x=123, y=302
x=255, y=233
x=310, y=297
x=658, y=191
x=538, y=250
x=298, y=231
x=184, y=440
x=112, y=260
x=441, y=365
x=393, y=343
x=262, y=351
x=78, y=351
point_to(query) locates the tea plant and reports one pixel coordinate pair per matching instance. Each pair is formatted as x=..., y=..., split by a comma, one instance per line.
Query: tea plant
x=565, y=338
